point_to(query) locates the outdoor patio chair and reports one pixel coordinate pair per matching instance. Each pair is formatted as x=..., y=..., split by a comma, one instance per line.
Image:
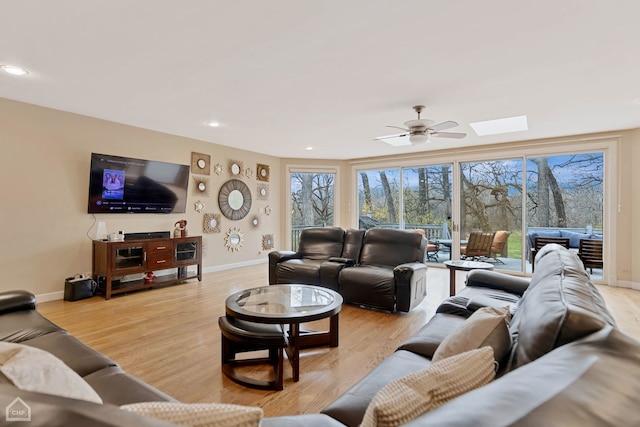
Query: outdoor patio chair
x=539, y=242
x=432, y=248
x=590, y=252
x=499, y=245
x=478, y=246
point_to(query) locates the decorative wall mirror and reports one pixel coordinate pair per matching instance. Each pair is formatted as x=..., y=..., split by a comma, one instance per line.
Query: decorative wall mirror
x=234, y=239
x=248, y=172
x=255, y=221
x=234, y=199
x=200, y=163
x=262, y=172
x=201, y=186
x=267, y=242
x=198, y=206
x=263, y=192
x=267, y=210
x=218, y=169
x=211, y=223
x=235, y=167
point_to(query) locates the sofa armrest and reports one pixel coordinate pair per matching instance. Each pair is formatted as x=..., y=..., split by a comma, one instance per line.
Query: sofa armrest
x=329, y=273
x=411, y=285
x=496, y=280
x=276, y=257
x=16, y=301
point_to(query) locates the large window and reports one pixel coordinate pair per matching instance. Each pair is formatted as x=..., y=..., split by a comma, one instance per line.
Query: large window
x=425, y=202
x=379, y=198
x=427, y=193
x=312, y=202
x=513, y=198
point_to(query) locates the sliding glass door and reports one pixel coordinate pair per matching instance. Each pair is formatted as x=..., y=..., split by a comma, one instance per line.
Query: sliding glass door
x=491, y=202
x=565, y=198
x=514, y=199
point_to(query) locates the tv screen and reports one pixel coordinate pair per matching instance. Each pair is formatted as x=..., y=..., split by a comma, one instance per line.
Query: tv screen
x=127, y=185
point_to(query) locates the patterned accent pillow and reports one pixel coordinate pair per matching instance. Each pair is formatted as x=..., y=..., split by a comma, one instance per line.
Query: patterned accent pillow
x=408, y=397
x=487, y=326
x=199, y=414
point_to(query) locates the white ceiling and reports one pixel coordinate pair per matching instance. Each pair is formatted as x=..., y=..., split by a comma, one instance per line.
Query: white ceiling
x=280, y=75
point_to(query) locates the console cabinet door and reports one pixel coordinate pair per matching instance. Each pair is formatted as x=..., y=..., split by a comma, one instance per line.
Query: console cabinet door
x=128, y=258
x=187, y=251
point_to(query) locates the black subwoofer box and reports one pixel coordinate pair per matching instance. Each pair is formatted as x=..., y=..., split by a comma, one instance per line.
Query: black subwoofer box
x=77, y=289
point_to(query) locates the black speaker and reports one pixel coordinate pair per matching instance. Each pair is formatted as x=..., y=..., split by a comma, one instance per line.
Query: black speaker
x=147, y=235
x=78, y=288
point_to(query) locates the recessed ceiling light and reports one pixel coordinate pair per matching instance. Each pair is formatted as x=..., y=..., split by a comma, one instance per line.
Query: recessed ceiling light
x=213, y=124
x=309, y=148
x=498, y=126
x=13, y=70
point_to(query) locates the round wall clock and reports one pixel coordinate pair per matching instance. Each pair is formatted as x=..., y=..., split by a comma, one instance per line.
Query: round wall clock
x=234, y=199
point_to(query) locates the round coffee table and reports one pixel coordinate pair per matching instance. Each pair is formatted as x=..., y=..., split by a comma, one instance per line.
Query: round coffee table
x=292, y=305
x=453, y=266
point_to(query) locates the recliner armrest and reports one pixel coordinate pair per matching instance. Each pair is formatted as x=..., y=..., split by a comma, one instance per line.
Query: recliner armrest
x=279, y=256
x=16, y=301
x=411, y=284
x=348, y=262
x=408, y=267
x=495, y=280
x=276, y=257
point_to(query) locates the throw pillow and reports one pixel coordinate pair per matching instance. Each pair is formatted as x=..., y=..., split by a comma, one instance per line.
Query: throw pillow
x=199, y=414
x=487, y=326
x=33, y=369
x=408, y=397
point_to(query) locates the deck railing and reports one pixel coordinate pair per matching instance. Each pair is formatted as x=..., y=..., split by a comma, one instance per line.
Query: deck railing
x=432, y=231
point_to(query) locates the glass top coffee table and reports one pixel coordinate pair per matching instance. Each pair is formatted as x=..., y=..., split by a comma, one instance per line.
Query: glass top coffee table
x=290, y=304
x=464, y=266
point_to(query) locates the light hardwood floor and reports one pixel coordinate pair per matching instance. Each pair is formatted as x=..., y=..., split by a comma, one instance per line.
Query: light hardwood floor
x=169, y=337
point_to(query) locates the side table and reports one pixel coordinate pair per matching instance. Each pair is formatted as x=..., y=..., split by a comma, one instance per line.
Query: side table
x=453, y=266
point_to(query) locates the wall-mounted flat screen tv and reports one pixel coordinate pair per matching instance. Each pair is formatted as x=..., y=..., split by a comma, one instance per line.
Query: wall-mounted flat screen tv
x=127, y=185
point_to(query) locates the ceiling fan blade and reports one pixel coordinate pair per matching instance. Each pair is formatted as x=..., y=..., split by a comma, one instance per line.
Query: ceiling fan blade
x=444, y=125
x=398, y=140
x=456, y=135
x=399, y=135
x=398, y=127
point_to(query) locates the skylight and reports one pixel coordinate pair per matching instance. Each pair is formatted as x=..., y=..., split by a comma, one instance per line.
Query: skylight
x=498, y=126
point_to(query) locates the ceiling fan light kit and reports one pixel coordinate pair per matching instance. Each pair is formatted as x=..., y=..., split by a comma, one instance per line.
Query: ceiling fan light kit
x=419, y=130
x=419, y=138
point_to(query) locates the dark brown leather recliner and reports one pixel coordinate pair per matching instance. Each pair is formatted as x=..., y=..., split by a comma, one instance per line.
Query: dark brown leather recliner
x=390, y=274
x=316, y=246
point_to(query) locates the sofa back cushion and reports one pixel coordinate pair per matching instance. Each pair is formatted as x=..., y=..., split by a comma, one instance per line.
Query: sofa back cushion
x=594, y=381
x=352, y=244
x=561, y=305
x=386, y=247
x=321, y=243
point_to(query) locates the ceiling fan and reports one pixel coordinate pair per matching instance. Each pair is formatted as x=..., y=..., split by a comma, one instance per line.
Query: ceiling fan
x=418, y=131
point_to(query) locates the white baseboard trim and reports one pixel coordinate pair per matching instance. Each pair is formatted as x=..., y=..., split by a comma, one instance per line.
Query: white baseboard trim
x=52, y=296
x=215, y=268
x=627, y=284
